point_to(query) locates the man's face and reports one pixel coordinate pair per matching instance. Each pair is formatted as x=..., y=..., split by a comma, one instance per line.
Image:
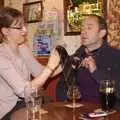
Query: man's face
x=90, y=34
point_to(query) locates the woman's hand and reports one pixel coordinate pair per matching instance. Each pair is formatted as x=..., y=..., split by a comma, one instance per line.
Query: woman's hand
x=54, y=60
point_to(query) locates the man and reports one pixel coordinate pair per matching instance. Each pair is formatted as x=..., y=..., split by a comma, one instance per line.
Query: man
x=102, y=61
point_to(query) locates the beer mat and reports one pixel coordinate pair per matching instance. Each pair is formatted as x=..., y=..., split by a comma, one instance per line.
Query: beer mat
x=76, y=105
x=109, y=113
x=43, y=111
x=85, y=118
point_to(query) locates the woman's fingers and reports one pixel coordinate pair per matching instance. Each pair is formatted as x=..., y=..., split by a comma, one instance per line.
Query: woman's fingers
x=54, y=59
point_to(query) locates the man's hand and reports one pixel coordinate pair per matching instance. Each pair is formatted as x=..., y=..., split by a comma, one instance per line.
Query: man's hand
x=89, y=63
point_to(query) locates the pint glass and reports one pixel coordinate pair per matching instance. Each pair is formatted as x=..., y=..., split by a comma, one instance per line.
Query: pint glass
x=107, y=94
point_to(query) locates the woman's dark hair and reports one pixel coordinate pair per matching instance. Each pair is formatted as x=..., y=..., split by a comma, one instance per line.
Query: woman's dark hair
x=7, y=16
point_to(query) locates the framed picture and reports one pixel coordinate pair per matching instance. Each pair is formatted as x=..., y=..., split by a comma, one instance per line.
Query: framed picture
x=76, y=10
x=33, y=11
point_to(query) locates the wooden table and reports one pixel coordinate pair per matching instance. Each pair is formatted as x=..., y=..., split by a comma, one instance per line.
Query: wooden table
x=57, y=111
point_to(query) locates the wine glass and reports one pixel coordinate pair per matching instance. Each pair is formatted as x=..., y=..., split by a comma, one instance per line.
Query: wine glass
x=73, y=94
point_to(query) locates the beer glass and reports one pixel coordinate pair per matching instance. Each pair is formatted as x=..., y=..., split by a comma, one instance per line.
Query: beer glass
x=33, y=100
x=107, y=94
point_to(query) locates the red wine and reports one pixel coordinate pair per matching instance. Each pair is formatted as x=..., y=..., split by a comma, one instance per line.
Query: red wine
x=107, y=100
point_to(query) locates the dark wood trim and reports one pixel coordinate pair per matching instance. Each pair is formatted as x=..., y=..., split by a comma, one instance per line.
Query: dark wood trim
x=1, y=3
x=42, y=60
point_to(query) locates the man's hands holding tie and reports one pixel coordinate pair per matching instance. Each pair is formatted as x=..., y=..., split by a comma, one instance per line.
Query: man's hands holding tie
x=89, y=63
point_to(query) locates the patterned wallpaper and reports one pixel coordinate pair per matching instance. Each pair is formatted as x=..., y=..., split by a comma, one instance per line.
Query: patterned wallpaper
x=114, y=23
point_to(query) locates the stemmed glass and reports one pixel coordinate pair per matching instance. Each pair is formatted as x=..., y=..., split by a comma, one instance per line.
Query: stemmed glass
x=73, y=94
x=70, y=65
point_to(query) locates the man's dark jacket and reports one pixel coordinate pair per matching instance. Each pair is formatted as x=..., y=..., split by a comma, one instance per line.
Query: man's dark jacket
x=108, y=67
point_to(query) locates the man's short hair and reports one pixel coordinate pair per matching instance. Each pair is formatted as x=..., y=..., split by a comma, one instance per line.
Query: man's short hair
x=101, y=22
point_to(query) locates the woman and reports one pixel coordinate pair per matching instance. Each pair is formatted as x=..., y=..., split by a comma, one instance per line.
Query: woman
x=17, y=62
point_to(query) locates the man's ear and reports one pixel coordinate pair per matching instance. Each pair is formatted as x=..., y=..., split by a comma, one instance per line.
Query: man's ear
x=102, y=33
x=4, y=31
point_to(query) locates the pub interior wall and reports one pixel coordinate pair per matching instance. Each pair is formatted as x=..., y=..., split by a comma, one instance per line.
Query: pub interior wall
x=73, y=42
x=70, y=42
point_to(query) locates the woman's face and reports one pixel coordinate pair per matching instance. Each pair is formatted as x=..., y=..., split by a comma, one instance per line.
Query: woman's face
x=17, y=32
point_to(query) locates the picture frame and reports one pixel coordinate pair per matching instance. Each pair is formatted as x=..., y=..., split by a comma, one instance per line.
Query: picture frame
x=76, y=10
x=33, y=11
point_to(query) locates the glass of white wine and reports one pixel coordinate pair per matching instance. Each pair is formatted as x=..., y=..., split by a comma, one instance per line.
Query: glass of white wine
x=73, y=94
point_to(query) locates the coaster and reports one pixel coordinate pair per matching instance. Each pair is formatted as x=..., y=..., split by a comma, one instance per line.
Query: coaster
x=76, y=105
x=42, y=111
x=109, y=112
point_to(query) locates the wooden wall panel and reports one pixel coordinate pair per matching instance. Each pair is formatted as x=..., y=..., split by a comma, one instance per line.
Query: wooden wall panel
x=1, y=3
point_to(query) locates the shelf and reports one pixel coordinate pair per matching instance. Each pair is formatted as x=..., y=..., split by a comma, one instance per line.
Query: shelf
x=42, y=59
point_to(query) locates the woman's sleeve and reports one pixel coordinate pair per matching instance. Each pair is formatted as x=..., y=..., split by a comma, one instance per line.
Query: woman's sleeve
x=13, y=78
x=33, y=65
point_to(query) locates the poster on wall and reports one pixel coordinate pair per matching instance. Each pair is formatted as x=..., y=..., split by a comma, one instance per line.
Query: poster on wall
x=44, y=38
x=46, y=34
x=41, y=45
x=52, y=18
